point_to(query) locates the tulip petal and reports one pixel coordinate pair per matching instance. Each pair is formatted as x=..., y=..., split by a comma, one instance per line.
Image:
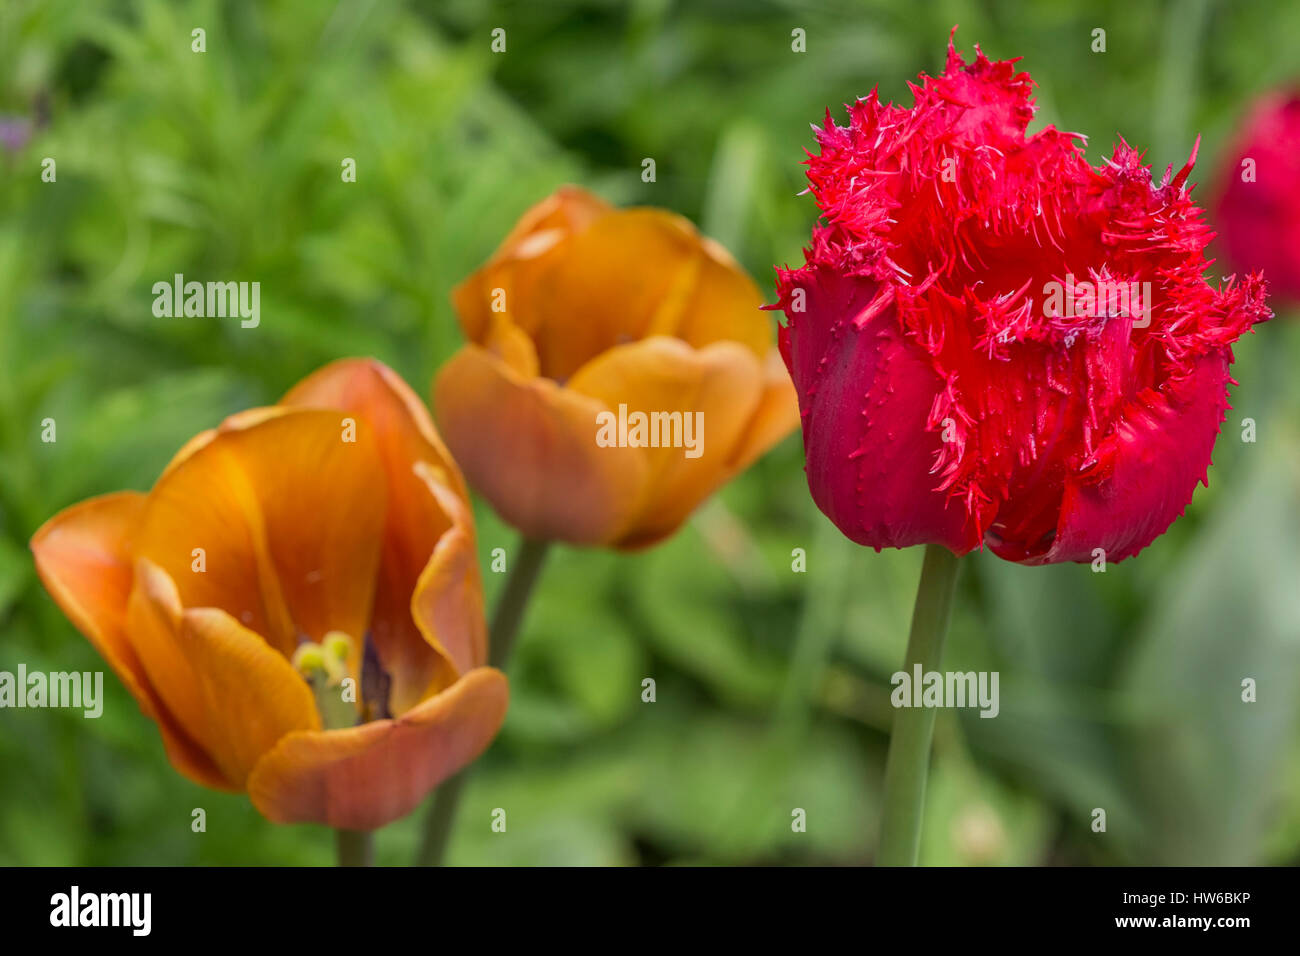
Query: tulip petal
x=865, y=394
x=777, y=414
x=367, y=776
x=576, y=276
x=714, y=391
x=83, y=556
x=530, y=448
x=245, y=419
x=252, y=695
x=1148, y=469
x=509, y=343
x=724, y=305
x=626, y=276
x=569, y=210
x=525, y=253
x=446, y=601
x=154, y=623
x=288, y=511
x=397, y=416
x=417, y=524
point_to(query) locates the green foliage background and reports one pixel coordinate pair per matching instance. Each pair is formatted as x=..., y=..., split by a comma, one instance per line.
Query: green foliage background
x=1119, y=690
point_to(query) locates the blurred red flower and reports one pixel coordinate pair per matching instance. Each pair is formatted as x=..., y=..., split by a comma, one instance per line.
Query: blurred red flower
x=995, y=343
x=1257, y=212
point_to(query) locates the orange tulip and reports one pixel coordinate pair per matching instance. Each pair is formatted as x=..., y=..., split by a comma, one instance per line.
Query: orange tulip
x=588, y=314
x=293, y=553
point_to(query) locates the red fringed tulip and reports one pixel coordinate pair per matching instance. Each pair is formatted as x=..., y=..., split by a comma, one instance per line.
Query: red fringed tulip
x=995, y=343
x=1258, y=208
x=324, y=540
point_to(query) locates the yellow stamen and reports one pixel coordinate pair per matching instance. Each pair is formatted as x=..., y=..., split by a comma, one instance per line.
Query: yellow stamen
x=325, y=667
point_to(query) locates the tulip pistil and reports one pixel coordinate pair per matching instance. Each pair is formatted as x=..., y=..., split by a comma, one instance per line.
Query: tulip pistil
x=325, y=668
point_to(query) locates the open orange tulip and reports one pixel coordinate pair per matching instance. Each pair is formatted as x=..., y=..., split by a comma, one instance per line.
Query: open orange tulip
x=586, y=317
x=293, y=553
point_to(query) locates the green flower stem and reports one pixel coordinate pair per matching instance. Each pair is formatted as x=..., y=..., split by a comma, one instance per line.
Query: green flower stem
x=356, y=847
x=908, y=763
x=510, y=606
x=438, y=821
x=506, y=618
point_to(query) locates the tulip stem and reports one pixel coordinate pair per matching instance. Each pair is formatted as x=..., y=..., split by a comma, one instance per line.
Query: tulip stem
x=908, y=762
x=510, y=606
x=506, y=617
x=356, y=847
x=438, y=821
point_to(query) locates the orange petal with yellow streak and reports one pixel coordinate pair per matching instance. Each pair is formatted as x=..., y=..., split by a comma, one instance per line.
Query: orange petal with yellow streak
x=288, y=512
x=416, y=527
x=401, y=422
